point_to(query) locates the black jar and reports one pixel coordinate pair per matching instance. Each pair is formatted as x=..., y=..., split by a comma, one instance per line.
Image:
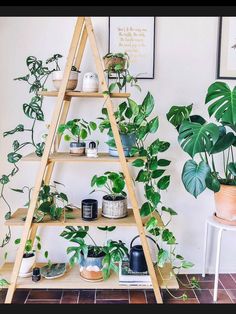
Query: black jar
x=89, y=209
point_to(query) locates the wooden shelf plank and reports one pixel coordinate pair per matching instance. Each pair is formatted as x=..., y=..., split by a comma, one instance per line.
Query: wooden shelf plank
x=67, y=157
x=54, y=93
x=72, y=280
x=17, y=220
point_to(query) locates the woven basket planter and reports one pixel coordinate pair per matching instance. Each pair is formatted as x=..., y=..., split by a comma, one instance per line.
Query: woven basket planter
x=111, y=62
x=114, y=208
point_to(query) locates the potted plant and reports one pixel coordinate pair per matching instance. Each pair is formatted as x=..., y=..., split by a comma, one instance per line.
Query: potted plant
x=78, y=129
x=203, y=141
x=114, y=203
x=133, y=123
x=96, y=261
x=57, y=74
x=115, y=61
x=29, y=257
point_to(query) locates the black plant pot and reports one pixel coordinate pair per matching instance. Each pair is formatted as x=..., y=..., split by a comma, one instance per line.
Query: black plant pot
x=89, y=209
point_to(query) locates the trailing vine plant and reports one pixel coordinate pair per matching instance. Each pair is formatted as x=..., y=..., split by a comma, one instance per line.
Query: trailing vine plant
x=152, y=175
x=36, y=79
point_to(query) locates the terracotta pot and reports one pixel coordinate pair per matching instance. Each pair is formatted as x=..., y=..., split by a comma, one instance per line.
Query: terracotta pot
x=225, y=201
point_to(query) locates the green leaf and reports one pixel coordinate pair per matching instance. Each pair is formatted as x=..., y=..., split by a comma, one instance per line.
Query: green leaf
x=22, y=78
x=111, y=143
x=17, y=241
x=18, y=128
x=222, y=102
x=16, y=145
x=163, y=183
x=162, y=257
x=7, y=216
x=83, y=134
x=134, y=107
x=153, y=125
x=63, y=196
x=146, y=209
x=194, y=176
x=18, y=190
x=153, y=164
x=224, y=142
x=45, y=207
x=134, y=150
x=232, y=168
x=143, y=176
x=212, y=182
x=196, y=138
x=33, y=111
x=118, y=185
x=93, y=125
x=157, y=173
x=168, y=210
x=138, y=163
x=152, y=195
x=46, y=254
x=13, y=157
x=186, y=264
x=67, y=138
x=179, y=257
x=163, y=162
x=4, y=179
x=148, y=104
x=158, y=146
x=168, y=237
x=93, y=181
x=100, y=181
x=177, y=114
x=112, y=87
x=128, y=113
x=151, y=224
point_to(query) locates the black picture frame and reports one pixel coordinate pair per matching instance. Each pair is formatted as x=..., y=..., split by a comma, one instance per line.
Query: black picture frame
x=219, y=56
x=154, y=48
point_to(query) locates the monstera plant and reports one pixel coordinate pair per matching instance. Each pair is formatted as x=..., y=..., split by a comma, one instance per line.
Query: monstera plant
x=204, y=141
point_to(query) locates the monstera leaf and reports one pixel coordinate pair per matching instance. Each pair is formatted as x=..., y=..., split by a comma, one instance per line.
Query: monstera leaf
x=222, y=103
x=194, y=176
x=177, y=114
x=195, y=137
x=224, y=142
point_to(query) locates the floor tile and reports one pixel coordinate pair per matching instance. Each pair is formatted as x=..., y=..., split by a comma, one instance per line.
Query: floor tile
x=87, y=296
x=183, y=281
x=70, y=297
x=137, y=296
x=43, y=301
x=227, y=281
x=222, y=296
x=208, y=277
x=204, y=296
x=20, y=296
x=180, y=301
x=209, y=285
x=112, y=301
x=150, y=297
x=112, y=295
x=3, y=294
x=234, y=277
x=232, y=294
x=45, y=294
x=177, y=293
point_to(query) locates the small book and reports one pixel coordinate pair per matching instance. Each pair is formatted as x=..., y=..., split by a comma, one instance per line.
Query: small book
x=127, y=276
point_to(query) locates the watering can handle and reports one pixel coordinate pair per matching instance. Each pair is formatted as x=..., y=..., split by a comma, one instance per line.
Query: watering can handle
x=146, y=237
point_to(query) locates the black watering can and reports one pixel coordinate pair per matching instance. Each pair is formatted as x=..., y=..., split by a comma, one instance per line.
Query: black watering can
x=137, y=261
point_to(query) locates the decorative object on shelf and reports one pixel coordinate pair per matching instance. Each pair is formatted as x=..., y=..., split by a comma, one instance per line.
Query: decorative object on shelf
x=135, y=35
x=36, y=276
x=127, y=140
x=53, y=271
x=78, y=129
x=137, y=261
x=197, y=137
x=89, y=209
x=117, y=64
x=29, y=257
x=96, y=262
x=114, y=204
x=92, y=150
x=57, y=74
x=226, y=67
x=90, y=82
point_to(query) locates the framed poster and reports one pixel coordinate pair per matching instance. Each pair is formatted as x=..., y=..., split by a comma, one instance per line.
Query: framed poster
x=136, y=36
x=226, y=68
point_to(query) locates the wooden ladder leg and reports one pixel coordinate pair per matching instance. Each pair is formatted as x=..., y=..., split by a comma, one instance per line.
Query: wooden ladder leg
x=45, y=157
x=123, y=162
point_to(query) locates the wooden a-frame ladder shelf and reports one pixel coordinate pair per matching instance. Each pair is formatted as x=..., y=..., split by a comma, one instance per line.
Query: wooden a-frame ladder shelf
x=160, y=277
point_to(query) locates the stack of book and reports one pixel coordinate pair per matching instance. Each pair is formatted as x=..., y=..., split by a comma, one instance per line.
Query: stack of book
x=130, y=278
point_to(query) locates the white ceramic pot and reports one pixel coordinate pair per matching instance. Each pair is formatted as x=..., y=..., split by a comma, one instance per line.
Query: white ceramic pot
x=26, y=266
x=90, y=82
x=57, y=78
x=114, y=208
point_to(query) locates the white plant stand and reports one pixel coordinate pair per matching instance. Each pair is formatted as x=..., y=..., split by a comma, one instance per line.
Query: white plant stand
x=220, y=228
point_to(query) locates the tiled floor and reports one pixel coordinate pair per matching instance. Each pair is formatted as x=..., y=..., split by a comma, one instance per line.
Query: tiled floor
x=226, y=294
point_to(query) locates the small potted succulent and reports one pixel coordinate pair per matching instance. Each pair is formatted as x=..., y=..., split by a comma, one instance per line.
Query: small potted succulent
x=114, y=203
x=78, y=129
x=96, y=261
x=57, y=74
x=29, y=257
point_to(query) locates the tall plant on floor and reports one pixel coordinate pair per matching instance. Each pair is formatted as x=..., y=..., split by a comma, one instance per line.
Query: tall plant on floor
x=36, y=79
x=152, y=174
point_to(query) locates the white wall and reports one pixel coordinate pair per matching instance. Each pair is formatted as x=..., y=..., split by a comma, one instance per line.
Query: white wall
x=185, y=67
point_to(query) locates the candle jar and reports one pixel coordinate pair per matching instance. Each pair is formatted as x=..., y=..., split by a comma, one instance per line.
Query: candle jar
x=90, y=82
x=77, y=148
x=89, y=209
x=92, y=150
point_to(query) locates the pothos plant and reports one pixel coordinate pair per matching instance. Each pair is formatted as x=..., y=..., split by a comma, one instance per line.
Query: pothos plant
x=113, y=251
x=203, y=140
x=152, y=174
x=36, y=79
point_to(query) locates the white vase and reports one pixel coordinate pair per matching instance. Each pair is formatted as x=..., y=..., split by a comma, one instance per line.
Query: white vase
x=90, y=82
x=26, y=266
x=57, y=77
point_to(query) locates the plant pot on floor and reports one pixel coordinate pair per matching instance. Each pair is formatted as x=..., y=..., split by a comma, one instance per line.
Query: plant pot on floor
x=127, y=140
x=77, y=148
x=91, y=267
x=225, y=202
x=27, y=265
x=57, y=77
x=114, y=208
